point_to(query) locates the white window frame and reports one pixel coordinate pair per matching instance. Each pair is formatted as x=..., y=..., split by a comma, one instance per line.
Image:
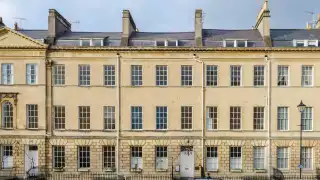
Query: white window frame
x=287, y=119
x=32, y=78
x=161, y=157
x=305, y=42
x=257, y=117
x=161, y=75
x=285, y=158
x=305, y=76
x=109, y=75
x=7, y=76
x=166, y=43
x=7, y=115
x=32, y=109
x=211, y=75
x=162, y=117
x=109, y=117
x=259, y=156
x=186, y=117
x=235, y=42
x=136, y=163
x=233, y=118
x=237, y=161
x=59, y=72
x=136, y=75
x=309, y=152
x=109, y=157
x=84, y=71
x=258, y=77
x=186, y=75
x=91, y=41
x=212, y=158
x=309, y=119
x=234, y=76
x=6, y=161
x=281, y=74
x=84, y=116
x=59, y=117
x=85, y=152
x=58, y=157
x=136, y=118
x=212, y=117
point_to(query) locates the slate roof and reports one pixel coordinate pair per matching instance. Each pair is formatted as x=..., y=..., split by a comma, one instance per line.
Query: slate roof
x=35, y=34
x=79, y=35
x=163, y=35
x=221, y=34
x=290, y=34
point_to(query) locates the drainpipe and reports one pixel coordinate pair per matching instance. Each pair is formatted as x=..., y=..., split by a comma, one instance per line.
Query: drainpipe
x=269, y=113
x=118, y=113
x=196, y=58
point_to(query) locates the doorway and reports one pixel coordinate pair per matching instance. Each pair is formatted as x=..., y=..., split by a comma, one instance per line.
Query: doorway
x=186, y=161
x=31, y=160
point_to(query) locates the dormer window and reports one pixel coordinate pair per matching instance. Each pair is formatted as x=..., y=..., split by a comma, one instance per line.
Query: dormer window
x=167, y=43
x=235, y=43
x=91, y=42
x=305, y=43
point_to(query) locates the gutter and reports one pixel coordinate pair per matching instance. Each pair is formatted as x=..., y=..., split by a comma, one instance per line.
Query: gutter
x=118, y=112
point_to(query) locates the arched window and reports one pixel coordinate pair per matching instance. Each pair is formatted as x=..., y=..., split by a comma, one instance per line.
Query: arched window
x=7, y=115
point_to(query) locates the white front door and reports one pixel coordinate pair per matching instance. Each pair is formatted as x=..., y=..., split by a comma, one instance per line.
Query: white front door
x=31, y=160
x=187, y=163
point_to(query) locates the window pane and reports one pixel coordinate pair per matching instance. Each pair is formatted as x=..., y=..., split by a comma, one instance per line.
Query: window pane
x=282, y=118
x=307, y=119
x=161, y=117
x=212, y=158
x=84, y=156
x=84, y=75
x=7, y=73
x=258, y=78
x=58, y=74
x=109, y=117
x=161, y=75
x=283, y=75
x=31, y=73
x=212, y=75
x=7, y=115
x=259, y=157
x=282, y=158
x=307, y=76
x=235, y=158
x=186, y=75
x=186, y=117
x=7, y=156
x=59, y=117
x=58, y=156
x=235, y=75
x=212, y=120
x=258, y=118
x=136, y=117
x=109, y=157
x=32, y=116
x=307, y=157
x=235, y=118
x=136, y=75
x=84, y=117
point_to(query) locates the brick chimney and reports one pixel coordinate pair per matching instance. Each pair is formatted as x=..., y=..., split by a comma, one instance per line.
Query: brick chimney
x=198, y=27
x=128, y=27
x=57, y=25
x=1, y=22
x=263, y=23
x=318, y=22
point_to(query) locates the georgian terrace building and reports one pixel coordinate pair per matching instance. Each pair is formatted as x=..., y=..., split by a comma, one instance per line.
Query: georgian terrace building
x=140, y=102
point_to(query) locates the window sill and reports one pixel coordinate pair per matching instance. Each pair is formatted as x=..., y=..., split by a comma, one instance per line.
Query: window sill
x=161, y=170
x=7, y=129
x=236, y=170
x=84, y=170
x=59, y=85
x=58, y=169
x=109, y=170
x=109, y=130
x=213, y=170
x=260, y=170
x=161, y=130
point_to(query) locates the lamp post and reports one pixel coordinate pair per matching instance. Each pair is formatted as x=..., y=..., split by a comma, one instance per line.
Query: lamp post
x=301, y=108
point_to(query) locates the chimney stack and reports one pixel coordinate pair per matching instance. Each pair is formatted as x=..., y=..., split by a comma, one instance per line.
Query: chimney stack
x=198, y=27
x=318, y=22
x=57, y=25
x=1, y=22
x=16, y=27
x=128, y=27
x=263, y=23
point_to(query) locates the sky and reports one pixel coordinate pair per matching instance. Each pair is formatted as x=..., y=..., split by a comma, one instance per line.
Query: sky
x=157, y=15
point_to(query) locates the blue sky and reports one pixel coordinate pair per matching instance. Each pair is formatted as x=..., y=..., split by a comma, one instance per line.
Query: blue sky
x=158, y=15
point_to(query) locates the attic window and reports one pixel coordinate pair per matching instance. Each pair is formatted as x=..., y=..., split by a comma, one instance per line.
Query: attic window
x=305, y=43
x=170, y=43
x=91, y=42
x=235, y=43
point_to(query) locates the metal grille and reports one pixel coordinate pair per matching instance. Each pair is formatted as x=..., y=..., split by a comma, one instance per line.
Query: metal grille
x=84, y=117
x=32, y=116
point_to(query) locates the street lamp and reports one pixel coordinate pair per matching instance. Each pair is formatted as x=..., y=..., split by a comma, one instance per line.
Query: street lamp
x=301, y=108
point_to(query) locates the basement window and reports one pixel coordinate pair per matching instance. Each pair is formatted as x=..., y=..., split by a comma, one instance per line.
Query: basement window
x=235, y=43
x=305, y=43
